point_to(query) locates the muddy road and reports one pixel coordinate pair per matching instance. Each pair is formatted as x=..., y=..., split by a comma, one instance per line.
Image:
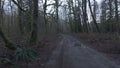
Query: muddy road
x=71, y=53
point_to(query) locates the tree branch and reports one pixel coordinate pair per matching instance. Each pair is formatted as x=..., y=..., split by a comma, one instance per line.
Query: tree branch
x=18, y=5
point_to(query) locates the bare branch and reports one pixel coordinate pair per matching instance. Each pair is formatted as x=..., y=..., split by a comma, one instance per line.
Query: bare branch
x=18, y=5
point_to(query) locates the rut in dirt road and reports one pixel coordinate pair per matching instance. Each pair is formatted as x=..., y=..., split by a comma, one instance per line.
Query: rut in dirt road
x=71, y=53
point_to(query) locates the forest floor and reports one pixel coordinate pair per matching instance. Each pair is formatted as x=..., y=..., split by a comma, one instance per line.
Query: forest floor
x=106, y=44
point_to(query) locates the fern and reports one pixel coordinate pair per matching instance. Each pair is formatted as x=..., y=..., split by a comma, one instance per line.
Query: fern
x=26, y=54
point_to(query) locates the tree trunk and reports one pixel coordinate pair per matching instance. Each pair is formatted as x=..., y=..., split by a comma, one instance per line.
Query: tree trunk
x=33, y=38
x=84, y=9
x=94, y=20
x=94, y=9
x=116, y=15
x=45, y=8
x=0, y=12
x=20, y=18
x=8, y=43
x=57, y=16
x=103, y=15
x=45, y=14
x=110, y=24
x=79, y=17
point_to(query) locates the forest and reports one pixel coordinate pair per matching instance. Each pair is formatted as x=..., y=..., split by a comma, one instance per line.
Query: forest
x=32, y=30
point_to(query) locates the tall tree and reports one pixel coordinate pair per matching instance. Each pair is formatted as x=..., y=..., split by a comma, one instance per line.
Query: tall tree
x=20, y=17
x=95, y=8
x=85, y=18
x=57, y=11
x=45, y=14
x=69, y=15
x=110, y=14
x=34, y=32
x=94, y=20
x=45, y=9
x=77, y=18
x=103, y=14
x=116, y=15
x=79, y=15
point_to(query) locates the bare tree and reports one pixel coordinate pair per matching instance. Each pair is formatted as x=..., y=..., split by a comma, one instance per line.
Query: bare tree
x=110, y=14
x=116, y=15
x=33, y=38
x=85, y=18
x=94, y=20
x=20, y=2
x=103, y=14
x=57, y=11
x=8, y=43
x=45, y=8
x=95, y=8
x=45, y=14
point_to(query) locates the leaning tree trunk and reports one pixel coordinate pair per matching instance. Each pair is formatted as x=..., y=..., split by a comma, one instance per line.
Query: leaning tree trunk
x=94, y=20
x=7, y=42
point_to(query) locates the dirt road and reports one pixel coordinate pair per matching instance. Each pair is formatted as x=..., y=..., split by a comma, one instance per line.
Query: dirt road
x=71, y=53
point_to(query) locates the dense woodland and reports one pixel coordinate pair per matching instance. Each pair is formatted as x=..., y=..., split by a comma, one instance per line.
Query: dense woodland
x=29, y=19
